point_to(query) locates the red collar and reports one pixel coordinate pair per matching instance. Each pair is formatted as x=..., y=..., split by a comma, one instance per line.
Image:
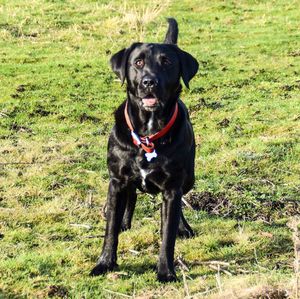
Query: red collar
x=145, y=142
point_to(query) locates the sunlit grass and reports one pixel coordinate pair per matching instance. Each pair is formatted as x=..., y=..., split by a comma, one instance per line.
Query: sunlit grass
x=57, y=97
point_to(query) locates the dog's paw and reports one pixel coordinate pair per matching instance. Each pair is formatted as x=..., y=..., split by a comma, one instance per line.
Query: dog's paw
x=185, y=233
x=125, y=226
x=102, y=268
x=166, y=276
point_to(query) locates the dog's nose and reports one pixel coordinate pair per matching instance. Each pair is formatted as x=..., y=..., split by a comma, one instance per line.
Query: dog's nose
x=148, y=82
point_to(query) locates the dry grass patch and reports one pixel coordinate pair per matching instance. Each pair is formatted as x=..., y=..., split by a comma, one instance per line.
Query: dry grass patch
x=135, y=17
x=251, y=287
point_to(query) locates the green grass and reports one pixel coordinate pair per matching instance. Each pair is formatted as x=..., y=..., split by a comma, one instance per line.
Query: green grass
x=57, y=95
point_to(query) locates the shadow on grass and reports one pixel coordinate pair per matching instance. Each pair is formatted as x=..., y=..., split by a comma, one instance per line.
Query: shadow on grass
x=138, y=268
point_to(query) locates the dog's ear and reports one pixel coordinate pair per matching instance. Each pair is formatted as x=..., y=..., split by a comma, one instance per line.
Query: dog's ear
x=119, y=60
x=189, y=66
x=118, y=63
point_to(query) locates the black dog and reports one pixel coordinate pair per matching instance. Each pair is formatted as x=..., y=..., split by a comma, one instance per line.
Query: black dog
x=160, y=161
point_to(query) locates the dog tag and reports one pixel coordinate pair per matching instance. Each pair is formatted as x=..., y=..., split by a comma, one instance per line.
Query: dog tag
x=150, y=156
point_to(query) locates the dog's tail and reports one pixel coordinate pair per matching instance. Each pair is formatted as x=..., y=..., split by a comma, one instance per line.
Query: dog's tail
x=172, y=33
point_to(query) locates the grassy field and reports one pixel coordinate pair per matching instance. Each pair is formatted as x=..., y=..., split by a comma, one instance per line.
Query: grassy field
x=57, y=95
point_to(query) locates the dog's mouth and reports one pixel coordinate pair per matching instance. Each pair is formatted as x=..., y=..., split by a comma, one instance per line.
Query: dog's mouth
x=149, y=101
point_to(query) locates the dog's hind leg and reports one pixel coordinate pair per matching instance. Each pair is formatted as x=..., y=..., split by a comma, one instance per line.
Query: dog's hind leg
x=130, y=206
x=184, y=229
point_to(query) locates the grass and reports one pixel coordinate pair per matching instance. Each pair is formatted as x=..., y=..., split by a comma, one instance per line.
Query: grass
x=57, y=95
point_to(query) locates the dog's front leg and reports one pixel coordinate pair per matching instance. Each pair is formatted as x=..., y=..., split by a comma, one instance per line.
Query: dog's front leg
x=116, y=202
x=170, y=220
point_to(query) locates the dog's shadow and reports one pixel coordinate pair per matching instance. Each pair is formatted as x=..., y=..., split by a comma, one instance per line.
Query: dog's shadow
x=138, y=268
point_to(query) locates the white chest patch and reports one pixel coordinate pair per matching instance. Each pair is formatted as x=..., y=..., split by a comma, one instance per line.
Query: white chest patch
x=150, y=124
x=144, y=174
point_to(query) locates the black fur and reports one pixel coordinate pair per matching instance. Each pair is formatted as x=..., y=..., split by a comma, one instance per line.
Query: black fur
x=172, y=33
x=172, y=172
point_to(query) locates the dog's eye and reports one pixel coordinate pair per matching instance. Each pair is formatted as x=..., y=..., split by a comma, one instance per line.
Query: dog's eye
x=166, y=61
x=139, y=63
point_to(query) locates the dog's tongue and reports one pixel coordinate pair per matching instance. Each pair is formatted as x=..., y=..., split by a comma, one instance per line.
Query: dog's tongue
x=149, y=101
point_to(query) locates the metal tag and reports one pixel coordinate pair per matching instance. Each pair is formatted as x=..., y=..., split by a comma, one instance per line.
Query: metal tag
x=150, y=156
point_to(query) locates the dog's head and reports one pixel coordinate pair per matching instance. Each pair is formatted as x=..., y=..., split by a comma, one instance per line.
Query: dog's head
x=153, y=71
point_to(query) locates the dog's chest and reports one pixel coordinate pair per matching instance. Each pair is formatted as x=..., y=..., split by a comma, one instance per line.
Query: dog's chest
x=143, y=174
x=147, y=180
x=149, y=176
